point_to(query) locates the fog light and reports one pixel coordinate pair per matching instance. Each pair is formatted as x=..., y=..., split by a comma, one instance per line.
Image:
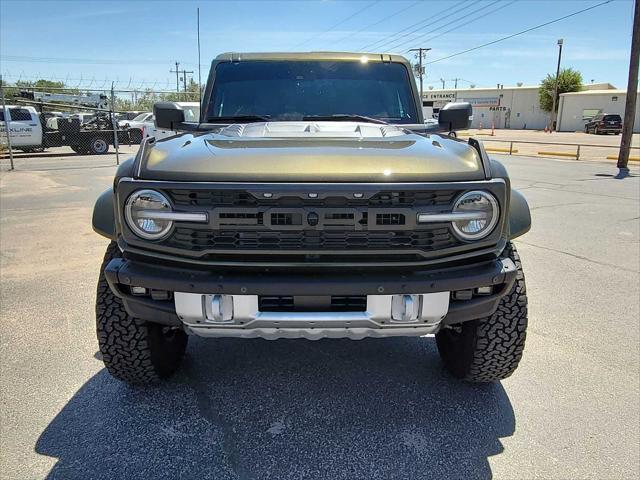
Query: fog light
x=405, y=308
x=138, y=291
x=484, y=290
x=462, y=295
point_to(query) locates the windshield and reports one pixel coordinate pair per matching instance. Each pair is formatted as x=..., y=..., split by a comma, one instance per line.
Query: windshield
x=140, y=117
x=292, y=90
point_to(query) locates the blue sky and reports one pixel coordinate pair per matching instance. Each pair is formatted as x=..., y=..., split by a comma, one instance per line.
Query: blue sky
x=135, y=43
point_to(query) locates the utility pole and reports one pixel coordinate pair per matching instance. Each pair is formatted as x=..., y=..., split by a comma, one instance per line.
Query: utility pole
x=5, y=116
x=632, y=92
x=184, y=78
x=442, y=80
x=456, y=82
x=420, y=55
x=555, y=90
x=177, y=72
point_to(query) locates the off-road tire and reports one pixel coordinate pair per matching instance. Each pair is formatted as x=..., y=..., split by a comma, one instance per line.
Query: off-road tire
x=489, y=349
x=133, y=350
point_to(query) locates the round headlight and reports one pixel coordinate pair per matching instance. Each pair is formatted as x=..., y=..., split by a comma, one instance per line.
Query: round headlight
x=144, y=213
x=482, y=213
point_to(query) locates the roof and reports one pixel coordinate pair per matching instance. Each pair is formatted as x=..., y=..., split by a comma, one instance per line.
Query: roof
x=336, y=56
x=598, y=92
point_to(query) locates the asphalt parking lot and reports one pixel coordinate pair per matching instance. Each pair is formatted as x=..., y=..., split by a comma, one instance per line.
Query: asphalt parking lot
x=338, y=409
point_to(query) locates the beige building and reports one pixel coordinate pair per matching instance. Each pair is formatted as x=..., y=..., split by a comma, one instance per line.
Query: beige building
x=574, y=109
x=518, y=107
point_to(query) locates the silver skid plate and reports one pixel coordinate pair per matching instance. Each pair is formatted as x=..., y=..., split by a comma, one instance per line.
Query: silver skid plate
x=240, y=316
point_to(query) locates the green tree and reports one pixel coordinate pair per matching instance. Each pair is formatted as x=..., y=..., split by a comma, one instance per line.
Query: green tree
x=569, y=80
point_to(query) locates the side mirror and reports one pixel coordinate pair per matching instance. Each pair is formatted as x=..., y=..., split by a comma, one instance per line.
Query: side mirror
x=455, y=116
x=169, y=115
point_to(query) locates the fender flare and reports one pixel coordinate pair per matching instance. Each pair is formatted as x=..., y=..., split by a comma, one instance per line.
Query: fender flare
x=104, y=218
x=519, y=215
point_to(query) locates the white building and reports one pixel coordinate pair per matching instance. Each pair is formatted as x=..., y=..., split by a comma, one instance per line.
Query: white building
x=576, y=107
x=505, y=107
x=518, y=107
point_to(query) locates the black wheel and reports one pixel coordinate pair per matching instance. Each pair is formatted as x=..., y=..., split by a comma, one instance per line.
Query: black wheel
x=586, y=129
x=489, y=349
x=133, y=350
x=596, y=131
x=98, y=146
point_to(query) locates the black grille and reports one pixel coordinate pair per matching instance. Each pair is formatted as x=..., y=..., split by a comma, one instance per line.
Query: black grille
x=435, y=238
x=242, y=198
x=292, y=223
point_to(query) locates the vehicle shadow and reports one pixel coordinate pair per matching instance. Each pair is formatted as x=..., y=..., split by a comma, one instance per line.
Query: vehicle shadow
x=285, y=409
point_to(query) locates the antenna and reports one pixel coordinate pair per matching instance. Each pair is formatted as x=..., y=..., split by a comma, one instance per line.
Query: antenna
x=199, y=70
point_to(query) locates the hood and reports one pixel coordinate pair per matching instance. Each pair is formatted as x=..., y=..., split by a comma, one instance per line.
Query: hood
x=311, y=152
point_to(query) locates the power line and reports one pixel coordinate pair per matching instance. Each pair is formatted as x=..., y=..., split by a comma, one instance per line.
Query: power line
x=521, y=32
x=474, y=19
x=457, y=19
x=441, y=15
x=384, y=19
x=338, y=24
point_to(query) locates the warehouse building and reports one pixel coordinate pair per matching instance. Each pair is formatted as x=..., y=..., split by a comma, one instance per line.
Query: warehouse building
x=575, y=108
x=518, y=107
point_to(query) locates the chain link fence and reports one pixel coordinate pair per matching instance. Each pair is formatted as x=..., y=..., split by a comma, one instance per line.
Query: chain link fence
x=39, y=123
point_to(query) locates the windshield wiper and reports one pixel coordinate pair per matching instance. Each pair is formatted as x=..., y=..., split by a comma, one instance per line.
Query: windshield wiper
x=347, y=117
x=240, y=118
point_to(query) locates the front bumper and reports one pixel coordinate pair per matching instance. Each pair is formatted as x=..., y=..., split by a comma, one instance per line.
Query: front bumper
x=122, y=274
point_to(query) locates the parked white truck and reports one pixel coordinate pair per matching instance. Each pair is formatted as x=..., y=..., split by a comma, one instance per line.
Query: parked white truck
x=29, y=130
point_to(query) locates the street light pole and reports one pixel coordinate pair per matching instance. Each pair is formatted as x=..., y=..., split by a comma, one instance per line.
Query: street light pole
x=177, y=72
x=555, y=90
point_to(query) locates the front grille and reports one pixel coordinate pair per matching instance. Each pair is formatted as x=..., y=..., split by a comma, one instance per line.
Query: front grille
x=435, y=238
x=243, y=198
x=314, y=227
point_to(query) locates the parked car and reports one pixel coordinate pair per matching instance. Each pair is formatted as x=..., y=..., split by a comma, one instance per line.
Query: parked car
x=191, y=114
x=136, y=126
x=312, y=201
x=604, y=123
x=128, y=115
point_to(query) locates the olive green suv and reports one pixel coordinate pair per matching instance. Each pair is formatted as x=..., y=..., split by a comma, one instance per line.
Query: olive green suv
x=311, y=200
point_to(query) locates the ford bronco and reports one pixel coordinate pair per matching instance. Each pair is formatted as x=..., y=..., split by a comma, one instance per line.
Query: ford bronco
x=311, y=201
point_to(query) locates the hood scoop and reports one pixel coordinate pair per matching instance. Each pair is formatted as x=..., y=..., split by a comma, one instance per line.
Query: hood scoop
x=311, y=130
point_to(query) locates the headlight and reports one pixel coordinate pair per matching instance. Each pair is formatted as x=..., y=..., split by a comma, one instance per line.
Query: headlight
x=478, y=214
x=148, y=214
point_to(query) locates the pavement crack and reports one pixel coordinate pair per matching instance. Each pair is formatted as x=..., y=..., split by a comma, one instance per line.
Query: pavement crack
x=557, y=205
x=580, y=257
